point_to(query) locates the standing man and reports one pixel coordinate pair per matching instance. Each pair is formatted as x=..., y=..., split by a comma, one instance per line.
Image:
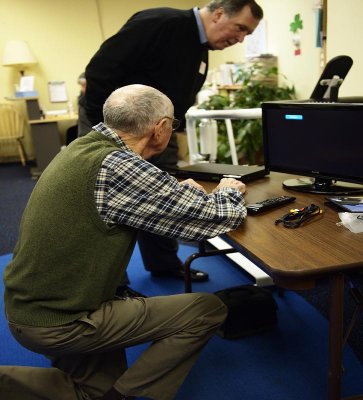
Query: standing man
x=82, y=117
x=167, y=49
x=76, y=238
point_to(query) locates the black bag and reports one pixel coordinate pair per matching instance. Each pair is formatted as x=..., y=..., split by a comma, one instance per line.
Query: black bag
x=251, y=310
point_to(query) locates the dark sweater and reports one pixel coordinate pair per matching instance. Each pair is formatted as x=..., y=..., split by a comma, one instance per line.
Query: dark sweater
x=157, y=47
x=67, y=261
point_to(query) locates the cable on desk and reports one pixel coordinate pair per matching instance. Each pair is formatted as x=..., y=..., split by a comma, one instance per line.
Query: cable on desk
x=295, y=217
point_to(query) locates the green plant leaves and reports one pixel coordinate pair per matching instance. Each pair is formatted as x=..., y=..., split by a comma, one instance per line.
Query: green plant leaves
x=259, y=85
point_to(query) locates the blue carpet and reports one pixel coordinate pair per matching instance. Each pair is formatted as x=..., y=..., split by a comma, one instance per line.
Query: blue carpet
x=287, y=363
x=15, y=188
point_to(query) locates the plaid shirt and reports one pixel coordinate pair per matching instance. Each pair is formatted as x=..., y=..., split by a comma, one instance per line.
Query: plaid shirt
x=131, y=191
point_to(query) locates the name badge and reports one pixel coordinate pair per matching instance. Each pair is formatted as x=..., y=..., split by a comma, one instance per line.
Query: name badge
x=202, y=68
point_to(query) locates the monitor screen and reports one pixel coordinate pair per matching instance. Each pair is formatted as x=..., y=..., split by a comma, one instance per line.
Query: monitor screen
x=322, y=143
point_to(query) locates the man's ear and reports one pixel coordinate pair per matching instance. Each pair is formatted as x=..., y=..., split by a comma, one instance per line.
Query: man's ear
x=217, y=14
x=159, y=129
x=156, y=138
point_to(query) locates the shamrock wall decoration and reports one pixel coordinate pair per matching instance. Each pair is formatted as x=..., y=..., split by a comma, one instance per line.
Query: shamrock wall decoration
x=295, y=27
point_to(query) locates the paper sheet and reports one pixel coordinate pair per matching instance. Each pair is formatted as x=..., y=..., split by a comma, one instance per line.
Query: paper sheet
x=57, y=91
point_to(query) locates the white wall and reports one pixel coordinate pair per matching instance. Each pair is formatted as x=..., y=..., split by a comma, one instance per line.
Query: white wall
x=345, y=31
x=345, y=35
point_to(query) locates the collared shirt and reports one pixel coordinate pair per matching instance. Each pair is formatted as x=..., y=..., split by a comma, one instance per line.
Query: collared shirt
x=202, y=35
x=131, y=191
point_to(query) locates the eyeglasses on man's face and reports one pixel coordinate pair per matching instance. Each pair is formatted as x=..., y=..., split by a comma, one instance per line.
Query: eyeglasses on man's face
x=175, y=122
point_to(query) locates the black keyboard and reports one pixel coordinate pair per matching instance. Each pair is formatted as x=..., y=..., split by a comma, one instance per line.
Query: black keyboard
x=268, y=204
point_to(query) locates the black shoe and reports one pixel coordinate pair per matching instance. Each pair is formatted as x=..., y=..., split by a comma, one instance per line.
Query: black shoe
x=195, y=275
x=125, y=291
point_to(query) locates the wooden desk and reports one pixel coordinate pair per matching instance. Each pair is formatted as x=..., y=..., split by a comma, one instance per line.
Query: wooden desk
x=296, y=258
x=44, y=132
x=46, y=140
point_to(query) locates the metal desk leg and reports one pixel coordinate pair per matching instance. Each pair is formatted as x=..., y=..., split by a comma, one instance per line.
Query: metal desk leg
x=336, y=340
x=201, y=253
x=335, y=335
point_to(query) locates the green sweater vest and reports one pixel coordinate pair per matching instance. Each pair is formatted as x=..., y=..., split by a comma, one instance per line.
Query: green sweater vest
x=67, y=261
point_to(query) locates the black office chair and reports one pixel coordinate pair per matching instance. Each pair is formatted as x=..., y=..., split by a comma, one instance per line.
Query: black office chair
x=332, y=77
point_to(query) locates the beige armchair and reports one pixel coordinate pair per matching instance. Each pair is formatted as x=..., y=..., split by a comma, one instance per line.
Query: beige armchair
x=12, y=126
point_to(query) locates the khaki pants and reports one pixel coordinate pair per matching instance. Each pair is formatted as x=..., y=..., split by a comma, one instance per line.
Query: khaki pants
x=88, y=356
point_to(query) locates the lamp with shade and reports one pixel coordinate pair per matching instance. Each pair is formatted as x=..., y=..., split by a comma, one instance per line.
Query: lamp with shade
x=17, y=53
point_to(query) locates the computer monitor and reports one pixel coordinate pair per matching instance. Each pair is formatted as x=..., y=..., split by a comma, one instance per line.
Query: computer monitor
x=322, y=143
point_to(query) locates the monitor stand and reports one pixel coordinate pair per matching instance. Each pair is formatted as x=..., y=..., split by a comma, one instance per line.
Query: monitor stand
x=322, y=186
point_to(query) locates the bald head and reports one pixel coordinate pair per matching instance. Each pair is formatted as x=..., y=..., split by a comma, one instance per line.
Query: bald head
x=135, y=108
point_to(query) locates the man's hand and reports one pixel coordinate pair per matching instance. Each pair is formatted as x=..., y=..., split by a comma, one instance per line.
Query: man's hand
x=192, y=182
x=231, y=183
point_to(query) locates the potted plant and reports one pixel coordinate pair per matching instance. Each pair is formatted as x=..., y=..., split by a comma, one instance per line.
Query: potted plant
x=258, y=84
